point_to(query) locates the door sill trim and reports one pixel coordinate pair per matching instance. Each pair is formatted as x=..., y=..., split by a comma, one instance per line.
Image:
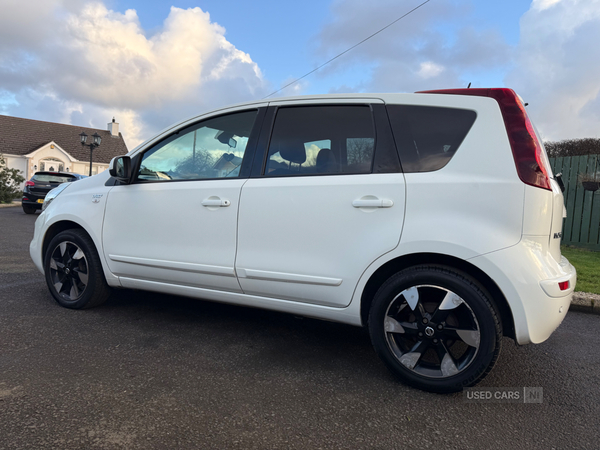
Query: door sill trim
x=173, y=265
x=287, y=277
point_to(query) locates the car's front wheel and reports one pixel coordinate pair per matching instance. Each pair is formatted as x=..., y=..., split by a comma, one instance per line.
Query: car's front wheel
x=435, y=328
x=74, y=272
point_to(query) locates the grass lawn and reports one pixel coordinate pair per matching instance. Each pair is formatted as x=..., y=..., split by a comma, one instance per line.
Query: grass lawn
x=587, y=264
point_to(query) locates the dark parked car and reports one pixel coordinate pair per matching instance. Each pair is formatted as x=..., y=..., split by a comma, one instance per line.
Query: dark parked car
x=40, y=184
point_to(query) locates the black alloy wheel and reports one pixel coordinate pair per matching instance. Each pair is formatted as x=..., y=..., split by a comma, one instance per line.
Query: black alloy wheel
x=435, y=328
x=74, y=272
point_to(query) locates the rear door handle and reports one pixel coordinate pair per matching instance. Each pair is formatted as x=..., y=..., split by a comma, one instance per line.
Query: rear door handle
x=215, y=201
x=372, y=202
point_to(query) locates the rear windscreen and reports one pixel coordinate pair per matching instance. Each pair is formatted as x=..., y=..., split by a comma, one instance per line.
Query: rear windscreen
x=52, y=178
x=427, y=137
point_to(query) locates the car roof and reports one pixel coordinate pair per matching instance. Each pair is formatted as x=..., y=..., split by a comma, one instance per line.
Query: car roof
x=371, y=96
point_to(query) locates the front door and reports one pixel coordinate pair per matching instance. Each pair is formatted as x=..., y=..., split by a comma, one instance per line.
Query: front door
x=177, y=222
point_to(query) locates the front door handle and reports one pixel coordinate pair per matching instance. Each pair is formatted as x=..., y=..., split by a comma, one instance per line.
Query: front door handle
x=370, y=201
x=215, y=201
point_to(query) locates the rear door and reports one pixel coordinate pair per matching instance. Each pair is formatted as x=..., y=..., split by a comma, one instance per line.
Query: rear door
x=327, y=202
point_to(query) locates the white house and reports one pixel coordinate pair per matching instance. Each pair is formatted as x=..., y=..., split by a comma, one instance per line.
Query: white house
x=32, y=145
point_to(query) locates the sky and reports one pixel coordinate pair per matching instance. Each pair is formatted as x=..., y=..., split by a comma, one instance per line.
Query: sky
x=152, y=63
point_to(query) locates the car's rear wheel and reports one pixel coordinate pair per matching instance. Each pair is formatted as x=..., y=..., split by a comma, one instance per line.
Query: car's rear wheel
x=28, y=209
x=74, y=272
x=435, y=328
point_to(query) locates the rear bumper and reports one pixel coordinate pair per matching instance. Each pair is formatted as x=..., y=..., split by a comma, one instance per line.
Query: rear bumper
x=33, y=204
x=529, y=278
x=30, y=199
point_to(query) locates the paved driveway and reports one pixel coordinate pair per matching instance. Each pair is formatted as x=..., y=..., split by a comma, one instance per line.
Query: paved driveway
x=156, y=371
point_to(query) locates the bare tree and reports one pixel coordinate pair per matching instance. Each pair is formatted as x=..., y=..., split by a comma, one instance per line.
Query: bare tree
x=198, y=165
x=360, y=150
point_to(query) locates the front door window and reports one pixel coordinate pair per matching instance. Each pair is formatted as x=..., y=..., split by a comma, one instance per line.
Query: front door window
x=214, y=149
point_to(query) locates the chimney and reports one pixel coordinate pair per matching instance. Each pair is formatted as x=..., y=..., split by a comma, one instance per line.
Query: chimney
x=113, y=127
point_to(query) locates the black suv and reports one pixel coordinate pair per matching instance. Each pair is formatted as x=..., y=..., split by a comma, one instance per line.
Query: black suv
x=40, y=184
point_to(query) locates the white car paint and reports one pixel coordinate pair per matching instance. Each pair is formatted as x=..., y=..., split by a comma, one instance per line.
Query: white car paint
x=310, y=216
x=175, y=241
x=475, y=209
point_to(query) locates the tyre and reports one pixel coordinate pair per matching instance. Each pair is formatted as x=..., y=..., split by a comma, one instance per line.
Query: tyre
x=74, y=272
x=435, y=328
x=28, y=209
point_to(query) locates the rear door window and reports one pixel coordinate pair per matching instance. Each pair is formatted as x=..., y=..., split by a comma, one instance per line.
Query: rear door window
x=321, y=140
x=428, y=137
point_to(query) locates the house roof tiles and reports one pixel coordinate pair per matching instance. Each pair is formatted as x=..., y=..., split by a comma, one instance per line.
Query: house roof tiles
x=22, y=136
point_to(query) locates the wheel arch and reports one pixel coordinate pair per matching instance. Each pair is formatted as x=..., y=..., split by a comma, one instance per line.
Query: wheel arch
x=395, y=265
x=56, y=228
x=81, y=292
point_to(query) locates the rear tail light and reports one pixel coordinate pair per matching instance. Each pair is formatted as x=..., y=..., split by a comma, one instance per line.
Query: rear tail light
x=530, y=159
x=29, y=183
x=563, y=286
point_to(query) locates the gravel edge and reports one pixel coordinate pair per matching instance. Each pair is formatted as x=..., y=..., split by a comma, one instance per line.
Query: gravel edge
x=8, y=205
x=585, y=302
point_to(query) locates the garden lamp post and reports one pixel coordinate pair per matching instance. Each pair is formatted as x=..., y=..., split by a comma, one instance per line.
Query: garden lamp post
x=92, y=146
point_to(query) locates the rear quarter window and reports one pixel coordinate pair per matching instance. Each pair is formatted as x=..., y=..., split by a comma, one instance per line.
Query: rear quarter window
x=427, y=137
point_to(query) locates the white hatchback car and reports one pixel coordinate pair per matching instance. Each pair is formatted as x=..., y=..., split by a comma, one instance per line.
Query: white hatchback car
x=432, y=218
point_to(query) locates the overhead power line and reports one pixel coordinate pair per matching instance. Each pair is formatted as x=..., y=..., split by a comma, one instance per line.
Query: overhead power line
x=346, y=51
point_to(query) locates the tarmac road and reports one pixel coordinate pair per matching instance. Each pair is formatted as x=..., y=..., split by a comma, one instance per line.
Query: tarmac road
x=150, y=371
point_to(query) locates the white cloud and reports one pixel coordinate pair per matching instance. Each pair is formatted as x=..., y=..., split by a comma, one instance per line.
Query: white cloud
x=558, y=62
x=75, y=61
x=543, y=4
x=435, y=47
x=294, y=89
x=430, y=69
x=555, y=66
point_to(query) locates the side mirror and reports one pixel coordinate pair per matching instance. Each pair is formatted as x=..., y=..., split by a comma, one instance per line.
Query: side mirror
x=120, y=168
